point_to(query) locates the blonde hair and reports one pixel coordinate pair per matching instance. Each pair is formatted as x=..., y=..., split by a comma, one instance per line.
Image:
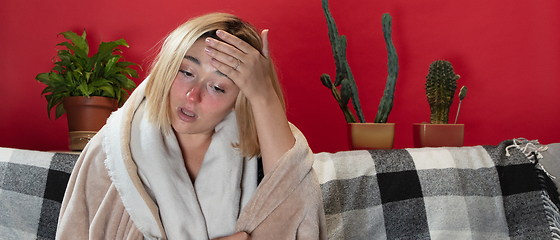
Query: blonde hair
x=168, y=61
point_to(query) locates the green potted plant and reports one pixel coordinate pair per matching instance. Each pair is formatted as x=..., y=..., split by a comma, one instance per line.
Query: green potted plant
x=362, y=135
x=441, y=85
x=87, y=88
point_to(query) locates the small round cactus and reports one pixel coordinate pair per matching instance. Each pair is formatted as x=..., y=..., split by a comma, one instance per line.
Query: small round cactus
x=441, y=83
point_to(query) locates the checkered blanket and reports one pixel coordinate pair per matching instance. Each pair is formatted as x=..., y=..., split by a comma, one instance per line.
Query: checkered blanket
x=32, y=186
x=434, y=193
x=438, y=193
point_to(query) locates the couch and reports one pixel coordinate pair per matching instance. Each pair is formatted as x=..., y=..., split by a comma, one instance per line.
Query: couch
x=505, y=191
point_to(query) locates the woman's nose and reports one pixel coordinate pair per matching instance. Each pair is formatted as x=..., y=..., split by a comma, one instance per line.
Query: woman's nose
x=195, y=94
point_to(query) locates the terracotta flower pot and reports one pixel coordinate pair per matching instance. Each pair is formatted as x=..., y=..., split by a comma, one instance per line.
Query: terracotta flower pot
x=86, y=116
x=438, y=135
x=368, y=136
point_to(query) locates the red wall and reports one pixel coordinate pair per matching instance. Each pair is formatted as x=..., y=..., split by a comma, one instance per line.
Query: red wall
x=508, y=54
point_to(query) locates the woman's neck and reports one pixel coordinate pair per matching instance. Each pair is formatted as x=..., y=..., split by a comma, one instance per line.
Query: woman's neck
x=193, y=148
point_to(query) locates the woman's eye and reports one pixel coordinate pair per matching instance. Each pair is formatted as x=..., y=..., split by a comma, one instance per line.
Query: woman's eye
x=186, y=73
x=218, y=89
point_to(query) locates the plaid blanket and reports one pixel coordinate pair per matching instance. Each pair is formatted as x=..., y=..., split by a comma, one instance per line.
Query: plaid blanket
x=438, y=193
x=434, y=193
x=32, y=185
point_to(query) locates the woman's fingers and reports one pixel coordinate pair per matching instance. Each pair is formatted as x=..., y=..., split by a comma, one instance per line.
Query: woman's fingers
x=232, y=48
x=233, y=51
x=233, y=41
x=220, y=53
x=264, y=37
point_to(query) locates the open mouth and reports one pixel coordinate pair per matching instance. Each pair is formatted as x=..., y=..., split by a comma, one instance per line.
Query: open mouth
x=190, y=114
x=186, y=115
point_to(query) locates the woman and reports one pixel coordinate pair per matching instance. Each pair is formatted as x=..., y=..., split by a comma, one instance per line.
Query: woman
x=180, y=159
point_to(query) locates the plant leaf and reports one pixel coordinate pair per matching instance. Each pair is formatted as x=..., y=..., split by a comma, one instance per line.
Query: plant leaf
x=52, y=101
x=59, y=111
x=69, y=76
x=100, y=82
x=80, y=53
x=79, y=41
x=125, y=64
x=83, y=89
x=122, y=96
x=88, y=75
x=58, y=68
x=109, y=90
x=110, y=67
x=129, y=85
x=47, y=89
x=106, y=50
x=43, y=78
x=49, y=103
x=121, y=42
x=130, y=72
x=64, y=54
x=68, y=59
x=92, y=61
x=78, y=77
x=57, y=79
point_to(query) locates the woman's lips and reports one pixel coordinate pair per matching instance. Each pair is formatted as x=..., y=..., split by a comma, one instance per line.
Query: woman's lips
x=186, y=115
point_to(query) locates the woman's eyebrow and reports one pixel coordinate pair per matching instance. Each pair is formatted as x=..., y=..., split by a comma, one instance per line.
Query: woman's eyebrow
x=193, y=59
x=197, y=62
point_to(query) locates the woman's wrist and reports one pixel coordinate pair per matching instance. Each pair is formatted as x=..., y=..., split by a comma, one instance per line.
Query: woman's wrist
x=265, y=102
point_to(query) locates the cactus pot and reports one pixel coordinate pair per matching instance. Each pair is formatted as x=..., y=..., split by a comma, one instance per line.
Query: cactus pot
x=368, y=136
x=438, y=135
x=85, y=117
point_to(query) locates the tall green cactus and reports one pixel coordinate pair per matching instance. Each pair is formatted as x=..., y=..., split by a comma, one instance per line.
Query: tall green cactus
x=345, y=79
x=386, y=103
x=343, y=72
x=441, y=84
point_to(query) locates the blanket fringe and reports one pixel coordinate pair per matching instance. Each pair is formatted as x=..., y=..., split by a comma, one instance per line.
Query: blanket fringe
x=551, y=201
x=532, y=150
x=552, y=214
x=551, y=198
x=548, y=185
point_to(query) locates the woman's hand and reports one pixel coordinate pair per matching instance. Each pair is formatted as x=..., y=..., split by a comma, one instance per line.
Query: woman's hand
x=237, y=236
x=243, y=64
x=252, y=72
